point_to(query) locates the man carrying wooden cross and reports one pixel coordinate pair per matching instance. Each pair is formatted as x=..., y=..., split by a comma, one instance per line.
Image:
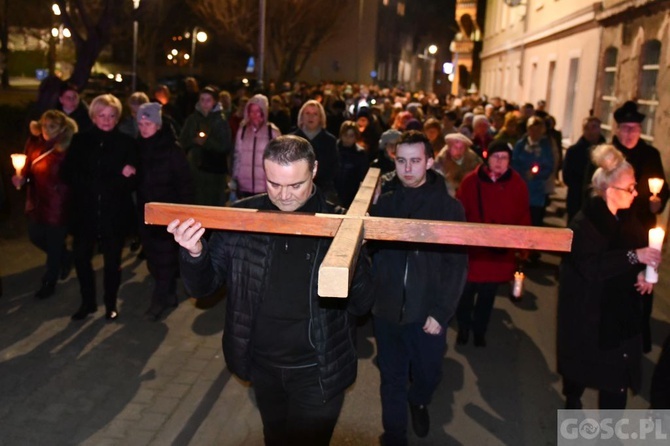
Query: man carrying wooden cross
x=295, y=348
x=417, y=288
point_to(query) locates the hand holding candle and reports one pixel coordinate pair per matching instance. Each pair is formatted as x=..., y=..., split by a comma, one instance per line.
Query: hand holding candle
x=656, y=242
x=19, y=162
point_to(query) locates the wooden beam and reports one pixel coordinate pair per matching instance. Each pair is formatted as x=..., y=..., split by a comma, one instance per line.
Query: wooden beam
x=337, y=269
x=375, y=228
x=240, y=219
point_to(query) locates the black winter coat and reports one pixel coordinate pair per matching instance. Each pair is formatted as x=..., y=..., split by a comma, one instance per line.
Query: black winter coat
x=163, y=176
x=646, y=161
x=414, y=281
x=101, y=196
x=325, y=147
x=577, y=172
x=599, y=311
x=242, y=261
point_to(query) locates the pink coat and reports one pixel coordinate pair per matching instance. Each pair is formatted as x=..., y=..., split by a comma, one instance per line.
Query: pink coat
x=249, y=146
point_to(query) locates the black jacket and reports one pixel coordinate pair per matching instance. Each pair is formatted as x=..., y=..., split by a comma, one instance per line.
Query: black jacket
x=646, y=160
x=577, y=172
x=163, y=176
x=242, y=261
x=325, y=147
x=599, y=311
x=414, y=281
x=101, y=196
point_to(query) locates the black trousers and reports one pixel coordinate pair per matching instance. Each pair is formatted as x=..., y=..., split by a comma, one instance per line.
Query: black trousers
x=473, y=314
x=292, y=406
x=83, y=247
x=51, y=240
x=573, y=391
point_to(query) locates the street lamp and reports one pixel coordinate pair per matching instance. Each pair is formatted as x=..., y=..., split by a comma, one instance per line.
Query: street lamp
x=198, y=35
x=136, y=4
x=429, y=56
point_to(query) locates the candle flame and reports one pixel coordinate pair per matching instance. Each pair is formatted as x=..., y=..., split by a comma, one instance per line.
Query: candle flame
x=655, y=185
x=18, y=161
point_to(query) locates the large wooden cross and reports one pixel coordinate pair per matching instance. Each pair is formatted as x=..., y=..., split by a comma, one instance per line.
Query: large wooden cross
x=349, y=231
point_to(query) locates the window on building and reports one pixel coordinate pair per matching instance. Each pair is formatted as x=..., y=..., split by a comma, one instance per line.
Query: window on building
x=572, y=92
x=550, y=82
x=608, y=90
x=401, y=8
x=647, y=96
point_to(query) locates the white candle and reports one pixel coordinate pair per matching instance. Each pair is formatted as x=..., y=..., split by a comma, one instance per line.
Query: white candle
x=655, y=241
x=655, y=185
x=517, y=289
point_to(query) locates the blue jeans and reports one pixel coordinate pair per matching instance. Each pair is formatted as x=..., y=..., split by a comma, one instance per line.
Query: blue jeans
x=476, y=315
x=410, y=363
x=292, y=407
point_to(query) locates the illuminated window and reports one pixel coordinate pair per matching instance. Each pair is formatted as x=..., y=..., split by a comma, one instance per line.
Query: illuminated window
x=647, y=93
x=608, y=90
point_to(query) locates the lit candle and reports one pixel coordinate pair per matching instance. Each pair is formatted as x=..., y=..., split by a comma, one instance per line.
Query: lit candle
x=655, y=185
x=517, y=289
x=201, y=134
x=535, y=169
x=655, y=241
x=18, y=161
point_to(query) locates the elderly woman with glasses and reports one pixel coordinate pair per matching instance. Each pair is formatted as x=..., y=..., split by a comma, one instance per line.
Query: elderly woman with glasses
x=599, y=340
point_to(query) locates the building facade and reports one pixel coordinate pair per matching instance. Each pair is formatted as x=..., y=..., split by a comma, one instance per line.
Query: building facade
x=543, y=50
x=634, y=62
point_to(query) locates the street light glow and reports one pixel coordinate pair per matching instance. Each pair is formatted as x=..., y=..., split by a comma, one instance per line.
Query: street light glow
x=201, y=36
x=66, y=33
x=432, y=49
x=170, y=56
x=54, y=32
x=56, y=9
x=174, y=52
x=186, y=56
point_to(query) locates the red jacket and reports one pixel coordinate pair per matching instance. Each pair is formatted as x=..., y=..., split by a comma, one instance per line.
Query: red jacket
x=505, y=202
x=47, y=195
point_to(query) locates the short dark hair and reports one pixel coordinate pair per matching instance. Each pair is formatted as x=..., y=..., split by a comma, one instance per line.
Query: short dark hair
x=287, y=149
x=414, y=137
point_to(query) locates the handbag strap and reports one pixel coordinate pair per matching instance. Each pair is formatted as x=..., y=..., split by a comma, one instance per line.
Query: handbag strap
x=42, y=156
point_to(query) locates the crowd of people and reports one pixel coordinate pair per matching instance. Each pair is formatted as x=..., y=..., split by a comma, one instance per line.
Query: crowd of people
x=91, y=169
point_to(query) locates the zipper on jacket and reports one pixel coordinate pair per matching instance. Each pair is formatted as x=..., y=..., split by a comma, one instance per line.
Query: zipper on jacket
x=404, y=289
x=253, y=167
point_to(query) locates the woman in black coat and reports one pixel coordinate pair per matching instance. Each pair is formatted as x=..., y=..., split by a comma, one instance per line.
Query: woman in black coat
x=601, y=283
x=163, y=176
x=100, y=170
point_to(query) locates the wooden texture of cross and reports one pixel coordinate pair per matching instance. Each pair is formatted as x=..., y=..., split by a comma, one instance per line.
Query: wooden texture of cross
x=351, y=229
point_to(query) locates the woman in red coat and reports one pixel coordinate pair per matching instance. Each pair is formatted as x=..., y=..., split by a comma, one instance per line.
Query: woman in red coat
x=493, y=193
x=48, y=196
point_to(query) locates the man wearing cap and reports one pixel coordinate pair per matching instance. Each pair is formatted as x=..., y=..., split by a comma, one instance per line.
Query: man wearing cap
x=493, y=193
x=646, y=160
x=456, y=160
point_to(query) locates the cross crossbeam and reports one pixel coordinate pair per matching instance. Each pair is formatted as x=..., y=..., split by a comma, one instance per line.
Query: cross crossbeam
x=349, y=231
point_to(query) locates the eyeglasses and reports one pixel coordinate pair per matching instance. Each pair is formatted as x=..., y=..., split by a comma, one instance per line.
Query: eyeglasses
x=630, y=189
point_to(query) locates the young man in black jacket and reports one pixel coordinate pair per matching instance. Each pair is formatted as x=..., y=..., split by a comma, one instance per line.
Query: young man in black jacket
x=295, y=347
x=417, y=288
